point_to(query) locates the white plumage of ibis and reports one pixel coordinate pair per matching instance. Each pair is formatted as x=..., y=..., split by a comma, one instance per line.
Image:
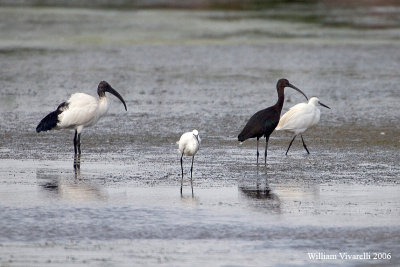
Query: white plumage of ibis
x=263, y=122
x=299, y=118
x=188, y=145
x=79, y=111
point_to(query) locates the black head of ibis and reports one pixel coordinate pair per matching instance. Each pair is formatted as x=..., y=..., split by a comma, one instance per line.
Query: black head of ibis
x=264, y=122
x=106, y=87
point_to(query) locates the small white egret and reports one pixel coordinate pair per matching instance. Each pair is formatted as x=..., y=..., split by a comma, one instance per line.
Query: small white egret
x=189, y=144
x=299, y=118
x=79, y=111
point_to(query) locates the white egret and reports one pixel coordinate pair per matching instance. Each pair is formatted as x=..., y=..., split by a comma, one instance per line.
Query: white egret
x=79, y=111
x=188, y=145
x=299, y=118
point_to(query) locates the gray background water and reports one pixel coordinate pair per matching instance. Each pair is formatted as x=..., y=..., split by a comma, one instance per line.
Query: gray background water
x=181, y=69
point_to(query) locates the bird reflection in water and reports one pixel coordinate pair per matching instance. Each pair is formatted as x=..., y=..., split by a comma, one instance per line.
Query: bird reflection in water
x=74, y=189
x=190, y=200
x=77, y=165
x=258, y=194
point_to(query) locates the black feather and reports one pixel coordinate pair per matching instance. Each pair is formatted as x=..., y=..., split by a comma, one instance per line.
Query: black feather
x=51, y=120
x=262, y=123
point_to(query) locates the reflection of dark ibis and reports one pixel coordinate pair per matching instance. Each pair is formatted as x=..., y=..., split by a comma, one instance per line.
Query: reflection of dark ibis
x=264, y=193
x=264, y=121
x=261, y=198
x=79, y=111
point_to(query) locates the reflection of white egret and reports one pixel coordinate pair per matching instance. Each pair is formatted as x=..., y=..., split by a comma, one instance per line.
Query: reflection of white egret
x=79, y=111
x=299, y=118
x=189, y=144
x=298, y=192
x=190, y=201
x=80, y=192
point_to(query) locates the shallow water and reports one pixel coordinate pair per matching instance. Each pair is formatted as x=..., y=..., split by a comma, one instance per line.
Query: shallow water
x=209, y=70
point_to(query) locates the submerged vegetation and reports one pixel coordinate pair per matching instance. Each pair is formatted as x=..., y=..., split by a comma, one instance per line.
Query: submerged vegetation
x=360, y=14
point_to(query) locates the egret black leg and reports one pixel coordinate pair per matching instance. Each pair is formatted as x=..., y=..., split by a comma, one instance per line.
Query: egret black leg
x=258, y=154
x=265, y=153
x=75, y=142
x=304, y=144
x=191, y=175
x=182, y=172
x=290, y=145
x=79, y=144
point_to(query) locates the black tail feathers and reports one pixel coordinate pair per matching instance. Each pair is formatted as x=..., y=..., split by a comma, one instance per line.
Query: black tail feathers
x=48, y=122
x=241, y=137
x=247, y=132
x=51, y=120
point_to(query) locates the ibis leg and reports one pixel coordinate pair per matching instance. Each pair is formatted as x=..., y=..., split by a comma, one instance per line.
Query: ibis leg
x=191, y=175
x=291, y=142
x=182, y=172
x=304, y=144
x=265, y=153
x=79, y=143
x=75, y=142
x=258, y=154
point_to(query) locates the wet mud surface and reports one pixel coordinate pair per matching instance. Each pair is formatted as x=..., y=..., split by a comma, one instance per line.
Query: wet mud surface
x=179, y=71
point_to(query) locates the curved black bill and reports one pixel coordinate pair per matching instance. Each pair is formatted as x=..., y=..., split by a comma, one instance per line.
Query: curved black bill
x=297, y=89
x=324, y=105
x=114, y=92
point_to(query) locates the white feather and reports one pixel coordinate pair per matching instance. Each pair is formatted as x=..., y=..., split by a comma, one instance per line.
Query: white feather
x=189, y=143
x=83, y=111
x=300, y=117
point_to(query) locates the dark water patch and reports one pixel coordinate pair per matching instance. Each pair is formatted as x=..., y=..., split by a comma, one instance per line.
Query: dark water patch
x=361, y=17
x=30, y=51
x=165, y=4
x=258, y=33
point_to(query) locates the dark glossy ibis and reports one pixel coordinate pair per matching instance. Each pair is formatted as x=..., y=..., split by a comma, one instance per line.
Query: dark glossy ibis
x=264, y=121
